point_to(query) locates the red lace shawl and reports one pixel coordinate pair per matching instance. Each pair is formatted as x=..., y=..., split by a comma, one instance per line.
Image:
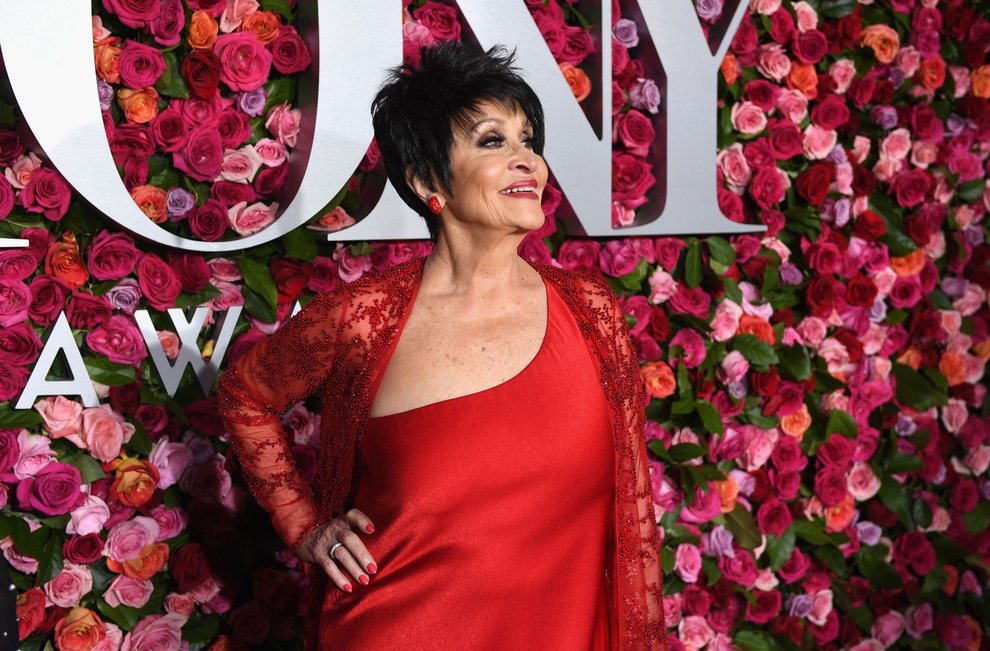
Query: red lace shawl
x=340, y=344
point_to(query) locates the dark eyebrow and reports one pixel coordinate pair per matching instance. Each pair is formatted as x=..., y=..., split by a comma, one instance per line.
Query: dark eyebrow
x=477, y=125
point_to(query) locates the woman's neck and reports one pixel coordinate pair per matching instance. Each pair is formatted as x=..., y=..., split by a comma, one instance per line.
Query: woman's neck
x=466, y=263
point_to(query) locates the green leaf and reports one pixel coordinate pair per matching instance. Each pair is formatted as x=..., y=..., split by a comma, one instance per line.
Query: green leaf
x=8, y=115
x=978, y=519
x=742, y=525
x=198, y=630
x=732, y=291
x=879, y=572
x=104, y=371
x=756, y=417
x=756, y=641
x=972, y=190
x=171, y=83
x=720, y=250
x=900, y=462
x=50, y=561
x=922, y=512
x=682, y=452
x=207, y=294
x=813, y=531
x=259, y=279
x=123, y=616
x=18, y=418
x=895, y=498
x=692, y=266
x=88, y=467
x=795, y=363
x=140, y=442
x=633, y=281
x=780, y=549
x=280, y=91
x=759, y=353
x=915, y=390
x=300, y=243
x=833, y=559
x=771, y=278
x=897, y=242
x=841, y=422
x=710, y=417
x=280, y=7
x=257, y=306
x=837, y=8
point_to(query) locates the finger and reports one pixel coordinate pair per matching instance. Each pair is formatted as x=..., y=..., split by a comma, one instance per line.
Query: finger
x=358, y=519
x=334, y=573
x=349, y=556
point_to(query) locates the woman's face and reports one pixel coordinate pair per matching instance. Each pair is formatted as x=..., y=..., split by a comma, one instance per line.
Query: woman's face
x=496, y=177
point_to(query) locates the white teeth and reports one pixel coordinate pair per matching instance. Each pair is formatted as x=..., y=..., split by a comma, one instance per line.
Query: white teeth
x=513, y=190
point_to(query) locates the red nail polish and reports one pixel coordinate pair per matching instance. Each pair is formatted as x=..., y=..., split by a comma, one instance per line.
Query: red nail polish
x=370, y=528
x=363, y=579
x=347, y=587
x=372, y=568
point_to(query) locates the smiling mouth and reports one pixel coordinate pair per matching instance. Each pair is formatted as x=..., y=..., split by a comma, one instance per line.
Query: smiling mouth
x=518, y=190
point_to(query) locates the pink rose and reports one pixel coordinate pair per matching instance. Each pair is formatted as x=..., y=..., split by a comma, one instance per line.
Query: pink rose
x=748, y=118
x=618, y=258
x=918, y=620
x=842, y=72
x=180, y=604
x=125, y=591
x=134, y=13
x=687, y=562
x=104, y=432
x=821, y=606
x=283, y=123
x=69, y=586
x=759, y=447
x=896, y=145
x=734, y=167
x=171, y=522
x=53, y=490
x=246, y=63
x=17, y=560
x=725, y=323
x=693, y=347
x=248, y=220
x=740, y=569
x=635, y=131
x=156, y=633
x=887, y=628
x=662, y=286
x=119, y=339
x=140, y=65
x=954, y=415
x=171, y=460
x=126, y=539
x=818, y=142
x=691, y=301
x=793, y=106
x=694, y=632
x=111, y=256
x=734, y=367
x=34, y=454
x=705, y=506
x=772, y=62
x=272, y=152
x=240, y=165
x=202, y=156
x=62, y=417
x=579, y=255
x=15, y=301
x=230, y=295
x=89, y=517
x=440, y=19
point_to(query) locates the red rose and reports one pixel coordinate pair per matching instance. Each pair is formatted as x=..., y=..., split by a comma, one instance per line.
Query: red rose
x=787, y=455
x=785, y=138
x=786, y=484
x=767, y=603
x=30, y=612
x=153, y=417
x=850, y=28
x=812, y=184
x=913, y=550
x=202, y=156
x=861, y=91
x=830, y=113
x=291, y=278
x=691, y=301
x=869, y=226
x=695, y=600
x=289, y=52
x=883, y=91
x=826, y=632
x=440, y=19
x=830, y=485
x=83, y=549
x=809, y=47
x=631, y=177
x=275, y=591
x=746, y=38
x=774, y=517
x=824, y=257
x=11, y=147
x=861, y=291
x=836, y=452
x=926, y=124
x=767, y=188
x=86, y=311
x=191, y=270
x=864, y=182
x=577, y=45
x=201, y=69
x=911, y=187
x=965, y=495
x=209, y=221
x=189, y=566
x=131, y=141
x=6, y=197
x=204, y=415
x=782, y=27
x=46, y=193
x=234, y=128
x=916, y=227
x=125, y=399
x=730, y=204
x=271, y=179
x=852, y=343
x=820, y=295
x=48, y=295
x=230, y=193
x=956, y=20
x=158, y=282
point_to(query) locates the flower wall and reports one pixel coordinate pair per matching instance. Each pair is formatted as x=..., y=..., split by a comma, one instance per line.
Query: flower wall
x=818, y=413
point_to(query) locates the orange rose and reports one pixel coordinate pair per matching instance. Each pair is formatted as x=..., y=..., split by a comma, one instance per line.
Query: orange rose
x=658, y=379
x=135, y=482
x=758, y=327
x=953, y=367
x=139, y=106
x=980, y=81
x=931, y=73
x=64, y=262
x=203, y=31
x=577, y=80
x=840, y=516
x=226, y=643
x=797, y=423
x=151, y=201
x=804, y=79
x=908, y=265
x=730, y=68
x=151, y=559
x=80, y=630
x=264, y=24
x=982, y=350
x=107, y=58
x=977, y=634
x=910, y=357
x=883, y=40
x=728, y=491
x=952, y=582
x=30, y=612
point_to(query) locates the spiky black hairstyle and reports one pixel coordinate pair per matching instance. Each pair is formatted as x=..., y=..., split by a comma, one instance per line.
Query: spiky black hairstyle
x=417, y=110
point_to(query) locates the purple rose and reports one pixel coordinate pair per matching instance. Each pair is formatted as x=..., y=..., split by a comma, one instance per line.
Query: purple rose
x=709, y=10
x=644, y=95
x=53, y=490
x=167, y=28
x=134, y=13
x=626, y=33
x=105, y=92
x=178, y=202
x=202, y=156
x=253, y=102
x=15, y=298
x=119, y=339
x=140, y=65
x=125, y=295
x=111, y=256
x=47, y=193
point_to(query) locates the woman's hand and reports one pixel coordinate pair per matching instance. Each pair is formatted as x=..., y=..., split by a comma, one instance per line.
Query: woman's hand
x=351, y=554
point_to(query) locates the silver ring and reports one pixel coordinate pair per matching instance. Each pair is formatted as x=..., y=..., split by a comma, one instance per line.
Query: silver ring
x=335, y=547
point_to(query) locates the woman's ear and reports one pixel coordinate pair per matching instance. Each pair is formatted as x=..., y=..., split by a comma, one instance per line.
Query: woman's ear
x=418, y=185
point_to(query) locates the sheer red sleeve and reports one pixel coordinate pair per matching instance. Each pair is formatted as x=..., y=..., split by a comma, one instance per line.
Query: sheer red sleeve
x=277, y=373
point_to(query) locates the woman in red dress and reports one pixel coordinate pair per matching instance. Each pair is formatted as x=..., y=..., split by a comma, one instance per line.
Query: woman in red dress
x=483, y=480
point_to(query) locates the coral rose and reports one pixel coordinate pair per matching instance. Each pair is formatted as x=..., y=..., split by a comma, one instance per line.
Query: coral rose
x=151, y=201
x=80, y=630
x=139, y=106
x=658, y=378
x=135, y=482
x=578, y=81
x=883, y=40
x=980, y=81
x=107, y=56
x=203, y=30
x=149, y=561
x=64, y=262
x=264, y=24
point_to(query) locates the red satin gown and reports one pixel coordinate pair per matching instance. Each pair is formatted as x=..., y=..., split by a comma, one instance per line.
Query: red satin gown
x=491, y=513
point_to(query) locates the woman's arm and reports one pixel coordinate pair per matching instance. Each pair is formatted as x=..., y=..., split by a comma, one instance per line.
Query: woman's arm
x=277, y=373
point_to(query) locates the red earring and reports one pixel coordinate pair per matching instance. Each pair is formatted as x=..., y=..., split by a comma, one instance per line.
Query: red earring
x=434, y=205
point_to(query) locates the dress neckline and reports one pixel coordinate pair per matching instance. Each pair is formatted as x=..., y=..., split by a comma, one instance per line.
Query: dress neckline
x=527, y=367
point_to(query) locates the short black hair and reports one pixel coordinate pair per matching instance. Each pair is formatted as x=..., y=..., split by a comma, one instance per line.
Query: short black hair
x=417, y=109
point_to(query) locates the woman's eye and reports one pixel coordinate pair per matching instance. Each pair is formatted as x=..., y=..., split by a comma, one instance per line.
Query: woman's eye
x=492, y=141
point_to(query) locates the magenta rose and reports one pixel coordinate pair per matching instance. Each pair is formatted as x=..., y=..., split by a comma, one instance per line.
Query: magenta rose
x=767, y=187
x=246, y=62
x=270, y=180
x=131, y=141
x=631, y=177
x=111, y=256
x=579, y=255
x=741, y=569
x=690, y=301
x=158, y=282
x=910, y=187
x=9, y=449
x=119, y=339
x=774, y=517
x=48, y=295
x=11, y=147
x=787, y=455
x=202, y=156
x=234, y=127
x=440, y=19
x=767, y=603
x=86, y=311
x=795, y=568
x=53, y=490
x=167, y=28
x=635, y=131
x=140, y=65
x=6, y=197
x=191, y=270
x=230, y=193
x=15, y=299
x=577, y=45
x=325, y=276
x=134, y=13
x=289, y=52
x=830, y=486
x=810, y=46
x=13, y=379
x=831, y=113
x=170, y=130
x=618, y=258
x=209, y=221
x=785, y=139
x=46, y=193
x=914, y=550
x=19, y=345
x=17, y=264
